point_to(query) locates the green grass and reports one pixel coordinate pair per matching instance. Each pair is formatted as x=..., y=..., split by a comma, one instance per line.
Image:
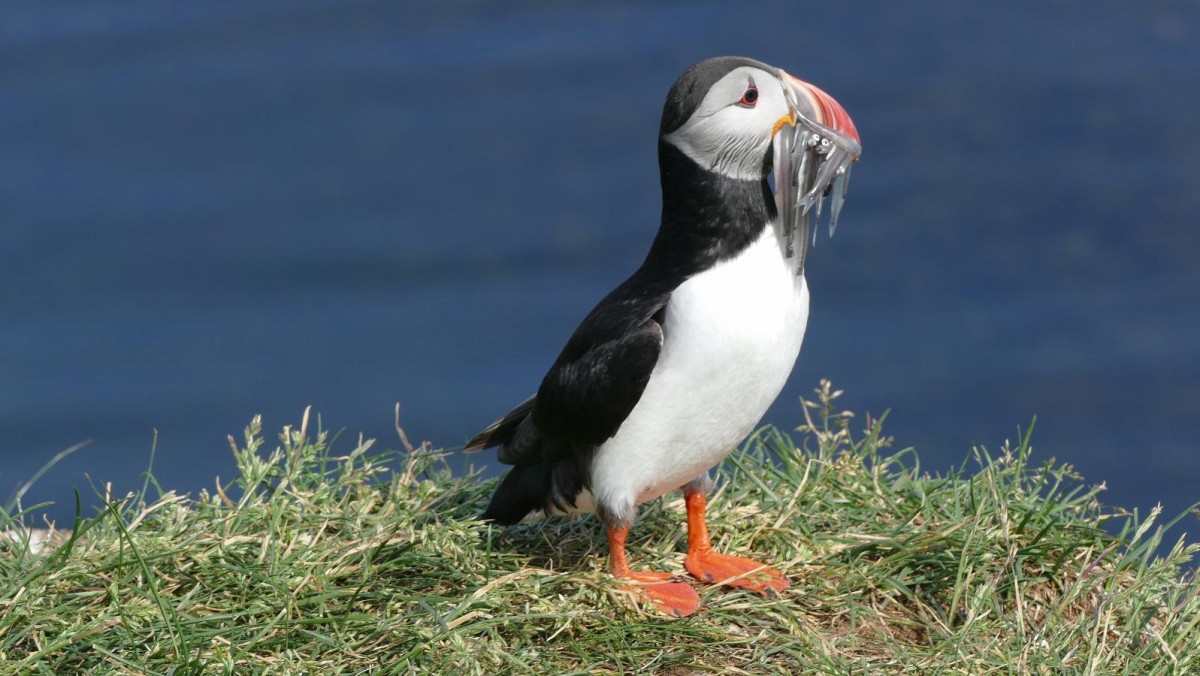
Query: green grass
x=311, y=561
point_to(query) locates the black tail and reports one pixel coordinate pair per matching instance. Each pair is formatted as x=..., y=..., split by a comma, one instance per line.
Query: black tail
x=551, y=485
x=524, y=489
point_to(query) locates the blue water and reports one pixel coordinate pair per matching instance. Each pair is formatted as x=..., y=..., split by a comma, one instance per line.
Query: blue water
x=211, y=211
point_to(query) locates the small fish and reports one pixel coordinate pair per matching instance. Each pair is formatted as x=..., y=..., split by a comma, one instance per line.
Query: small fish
x=812, y=163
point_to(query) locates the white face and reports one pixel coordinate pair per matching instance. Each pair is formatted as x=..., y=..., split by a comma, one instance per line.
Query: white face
x=731, y=130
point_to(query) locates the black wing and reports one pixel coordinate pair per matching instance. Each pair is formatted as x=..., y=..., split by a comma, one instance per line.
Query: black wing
x=585, y=399
x=591, y=388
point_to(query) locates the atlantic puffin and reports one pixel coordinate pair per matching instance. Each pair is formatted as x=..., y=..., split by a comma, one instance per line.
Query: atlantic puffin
x=678, y=364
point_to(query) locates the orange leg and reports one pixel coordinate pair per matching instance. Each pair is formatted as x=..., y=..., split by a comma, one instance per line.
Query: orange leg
x=708, y=566
x=668, y=594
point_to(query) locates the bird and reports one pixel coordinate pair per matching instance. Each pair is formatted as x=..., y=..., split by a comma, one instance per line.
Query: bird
x=674, y=368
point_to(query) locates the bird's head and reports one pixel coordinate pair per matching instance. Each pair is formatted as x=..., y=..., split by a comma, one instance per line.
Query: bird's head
x=742, y=119
x=724, y=112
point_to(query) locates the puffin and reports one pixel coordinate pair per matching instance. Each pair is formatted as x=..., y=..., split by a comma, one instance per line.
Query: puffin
x=675, y=367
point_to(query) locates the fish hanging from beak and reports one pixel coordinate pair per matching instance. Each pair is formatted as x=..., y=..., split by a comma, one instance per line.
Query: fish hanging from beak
x=815, y=146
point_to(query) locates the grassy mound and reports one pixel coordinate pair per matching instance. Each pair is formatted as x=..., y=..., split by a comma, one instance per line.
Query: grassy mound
x=311, y=562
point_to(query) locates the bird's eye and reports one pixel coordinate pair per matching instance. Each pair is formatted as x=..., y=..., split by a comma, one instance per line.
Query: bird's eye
x=749, y=97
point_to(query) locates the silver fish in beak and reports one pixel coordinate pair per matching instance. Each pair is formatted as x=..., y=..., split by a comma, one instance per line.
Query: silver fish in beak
x=815, y=145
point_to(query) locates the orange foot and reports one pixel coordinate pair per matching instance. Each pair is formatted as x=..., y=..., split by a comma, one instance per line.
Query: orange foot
x=734, y=571
x=668, y=593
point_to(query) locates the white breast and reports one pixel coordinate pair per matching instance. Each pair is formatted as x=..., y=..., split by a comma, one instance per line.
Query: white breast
x=732, y=336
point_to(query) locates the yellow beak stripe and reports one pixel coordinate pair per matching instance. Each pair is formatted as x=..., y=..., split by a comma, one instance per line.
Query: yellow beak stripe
x=786, y=119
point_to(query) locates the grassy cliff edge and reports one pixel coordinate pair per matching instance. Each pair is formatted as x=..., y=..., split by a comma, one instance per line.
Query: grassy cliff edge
x=315, y=562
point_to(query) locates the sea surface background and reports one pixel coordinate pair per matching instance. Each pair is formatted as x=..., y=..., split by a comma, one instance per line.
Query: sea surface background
x=216, y=210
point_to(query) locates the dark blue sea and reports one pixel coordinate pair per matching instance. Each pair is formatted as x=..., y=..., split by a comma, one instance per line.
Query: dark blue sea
x=213, y=210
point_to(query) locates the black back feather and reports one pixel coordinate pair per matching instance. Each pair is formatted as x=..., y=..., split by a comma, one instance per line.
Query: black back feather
x=502, y=430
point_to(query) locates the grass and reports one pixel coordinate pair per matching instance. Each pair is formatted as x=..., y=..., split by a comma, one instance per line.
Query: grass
x=315, y=562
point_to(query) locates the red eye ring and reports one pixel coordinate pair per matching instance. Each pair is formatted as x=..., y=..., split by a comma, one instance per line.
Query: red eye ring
x=749, y=97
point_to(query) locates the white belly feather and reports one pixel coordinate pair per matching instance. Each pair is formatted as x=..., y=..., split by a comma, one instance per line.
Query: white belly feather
x=732, y=336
